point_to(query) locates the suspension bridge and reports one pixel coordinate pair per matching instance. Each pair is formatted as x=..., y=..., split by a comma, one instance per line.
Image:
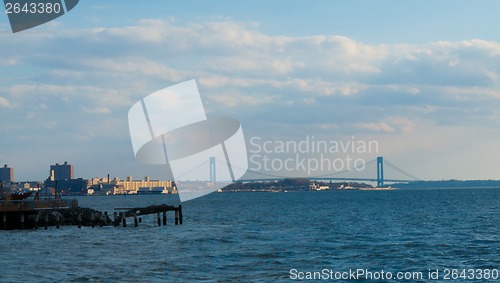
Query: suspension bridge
x=379, y=170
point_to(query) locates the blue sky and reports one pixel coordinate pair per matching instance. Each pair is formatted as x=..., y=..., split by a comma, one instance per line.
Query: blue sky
x=366, y=21
x=420, y=77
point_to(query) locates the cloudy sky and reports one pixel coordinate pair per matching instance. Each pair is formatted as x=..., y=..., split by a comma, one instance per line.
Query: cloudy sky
x=420, y=77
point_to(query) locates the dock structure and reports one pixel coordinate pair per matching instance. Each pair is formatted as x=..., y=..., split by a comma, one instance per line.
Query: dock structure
x=121, y=214
x=27, y=214
x=31, y=214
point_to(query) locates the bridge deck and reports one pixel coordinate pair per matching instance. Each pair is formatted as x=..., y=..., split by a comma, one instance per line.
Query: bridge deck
x=326, y=179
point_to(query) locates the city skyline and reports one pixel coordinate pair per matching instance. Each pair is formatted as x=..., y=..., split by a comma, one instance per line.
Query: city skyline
x=57, y=172
x=422, y=80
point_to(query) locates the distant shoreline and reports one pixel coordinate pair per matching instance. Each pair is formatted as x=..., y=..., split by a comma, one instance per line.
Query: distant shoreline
x=303, y=184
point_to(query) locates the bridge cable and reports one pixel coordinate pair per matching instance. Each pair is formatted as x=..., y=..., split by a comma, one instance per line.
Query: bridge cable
x=387, y=162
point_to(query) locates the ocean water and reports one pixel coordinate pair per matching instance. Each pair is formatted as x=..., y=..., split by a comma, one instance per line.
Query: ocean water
x=262, y=237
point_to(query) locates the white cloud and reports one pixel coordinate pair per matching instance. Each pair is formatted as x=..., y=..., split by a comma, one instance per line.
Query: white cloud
x=405, y=125
x=327, y=126
x=97, y=110
x=239, y=66
x=230, y=100
x=391, y=124
x=256, y=66
x=136, y=67
x=377, y=127
x=9, y=62
x=5, y=103
x=293, y=83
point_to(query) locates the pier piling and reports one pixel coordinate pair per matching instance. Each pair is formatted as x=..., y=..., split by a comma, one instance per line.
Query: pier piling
x=92, y=219
x=115, y=219
x=137, y=212
x=180, y=214
x=79, y=219
x=35, y=213
x=124, y=219
x=22, y=220
x=106, y=217
x=37, y=216
x=101, y=219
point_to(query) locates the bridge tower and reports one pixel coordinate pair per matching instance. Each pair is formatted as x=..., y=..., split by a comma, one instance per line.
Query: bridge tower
x=380, y=171
x=212, y=169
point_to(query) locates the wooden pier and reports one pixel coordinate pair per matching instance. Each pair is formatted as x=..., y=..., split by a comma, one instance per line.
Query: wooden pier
x=28, y=214
x=31, y=214
x=121, y=214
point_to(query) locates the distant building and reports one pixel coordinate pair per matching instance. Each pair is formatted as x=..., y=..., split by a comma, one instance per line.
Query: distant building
x=25, y=186
x=61, y=172
x=6, y=175
x=62, y=180
x=129, y=186
x=31, y=185
x=318, y=187
x=69, y=187
x=134, y=186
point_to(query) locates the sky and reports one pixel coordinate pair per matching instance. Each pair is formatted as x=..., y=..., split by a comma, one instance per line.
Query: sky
x=420, y=77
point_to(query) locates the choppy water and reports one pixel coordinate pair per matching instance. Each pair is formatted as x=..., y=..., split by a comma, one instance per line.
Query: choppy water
x=260, y=237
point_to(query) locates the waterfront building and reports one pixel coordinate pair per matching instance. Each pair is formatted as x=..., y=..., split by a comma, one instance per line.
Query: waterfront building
x=69, y=186
x=6, y=174
x=106, y=186
x=62, y=180
x=61, y=172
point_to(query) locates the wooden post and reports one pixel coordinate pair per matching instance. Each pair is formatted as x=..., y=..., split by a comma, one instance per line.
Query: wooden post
x=37, y=215
x=164, y=217
x=92, y=219
x=158, y=218
x=79, y=219
x=22, y=220
x=115, y=219
x=57, y=220
x=106, y=218
x=177, y=217
x=46, y=216
x=136, y=222
x=180, y=214
x=124, y=219
x=101, y=218
x=4, y=220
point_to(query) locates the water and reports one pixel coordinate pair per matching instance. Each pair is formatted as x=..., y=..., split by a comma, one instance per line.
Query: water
x=260, y=237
